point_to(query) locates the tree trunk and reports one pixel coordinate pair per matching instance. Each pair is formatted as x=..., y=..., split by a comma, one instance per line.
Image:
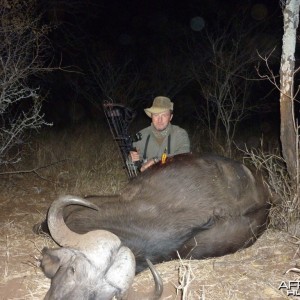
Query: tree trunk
x=288, y=132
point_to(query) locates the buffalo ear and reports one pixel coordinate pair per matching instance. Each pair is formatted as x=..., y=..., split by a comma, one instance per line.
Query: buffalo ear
x=50, y=262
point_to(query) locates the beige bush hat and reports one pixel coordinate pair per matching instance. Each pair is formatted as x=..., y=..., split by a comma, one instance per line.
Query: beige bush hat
x=160, y=104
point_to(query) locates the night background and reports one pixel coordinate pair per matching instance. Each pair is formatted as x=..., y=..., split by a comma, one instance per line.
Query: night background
x=132, y=51
x=61, y=59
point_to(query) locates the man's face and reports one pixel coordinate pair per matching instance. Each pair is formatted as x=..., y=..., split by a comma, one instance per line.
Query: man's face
x=161, y=121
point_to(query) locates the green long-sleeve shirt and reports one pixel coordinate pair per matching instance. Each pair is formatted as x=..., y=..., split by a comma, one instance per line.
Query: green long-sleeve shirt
x=175, y=142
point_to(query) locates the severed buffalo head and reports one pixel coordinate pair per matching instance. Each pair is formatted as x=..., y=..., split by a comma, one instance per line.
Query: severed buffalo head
x=94, y=265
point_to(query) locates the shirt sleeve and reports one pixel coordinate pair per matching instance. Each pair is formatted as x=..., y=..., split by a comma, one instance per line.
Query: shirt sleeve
x=140, y=145
x=182, y=142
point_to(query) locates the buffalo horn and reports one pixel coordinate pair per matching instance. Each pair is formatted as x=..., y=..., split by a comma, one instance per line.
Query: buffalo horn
x=158, y=281
x=63, y=236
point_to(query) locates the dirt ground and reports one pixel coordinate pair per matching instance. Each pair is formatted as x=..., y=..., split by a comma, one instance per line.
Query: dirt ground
x=253, y=273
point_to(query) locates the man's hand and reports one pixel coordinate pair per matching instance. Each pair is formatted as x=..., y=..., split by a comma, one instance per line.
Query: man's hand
x=134, y=155
x=147, y=164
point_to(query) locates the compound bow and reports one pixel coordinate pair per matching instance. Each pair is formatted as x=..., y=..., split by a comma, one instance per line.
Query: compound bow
x=119, y=118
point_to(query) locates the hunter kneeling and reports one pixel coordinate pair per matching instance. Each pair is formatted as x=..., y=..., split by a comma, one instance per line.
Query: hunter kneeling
x=161, y=139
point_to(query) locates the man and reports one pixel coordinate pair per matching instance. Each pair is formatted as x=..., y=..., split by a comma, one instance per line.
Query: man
x=161, y=138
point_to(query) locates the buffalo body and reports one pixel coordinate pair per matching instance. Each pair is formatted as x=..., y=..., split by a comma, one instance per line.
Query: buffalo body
x=199, y=207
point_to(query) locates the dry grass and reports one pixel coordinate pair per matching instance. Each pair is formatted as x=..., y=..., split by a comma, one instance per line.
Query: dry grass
x=88, y=163
x=285, y=204
x=19, y=248
x=75, y=159
x=253, y=273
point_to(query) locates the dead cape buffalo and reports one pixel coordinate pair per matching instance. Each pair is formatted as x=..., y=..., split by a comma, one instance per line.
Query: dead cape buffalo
x=197, y=206
x=94, y=266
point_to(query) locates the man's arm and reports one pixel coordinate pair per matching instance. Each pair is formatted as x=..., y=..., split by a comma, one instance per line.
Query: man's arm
x=182, y=142
x=135, y=156
x=138, y=155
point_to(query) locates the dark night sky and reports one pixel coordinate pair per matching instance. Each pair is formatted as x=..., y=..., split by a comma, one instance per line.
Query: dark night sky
x=133, y=23
x=143, y=31
x=130, y=25
x=145, y=18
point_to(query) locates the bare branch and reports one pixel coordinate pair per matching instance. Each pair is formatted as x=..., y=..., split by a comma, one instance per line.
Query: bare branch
x=223, y=79
x=24, y=52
